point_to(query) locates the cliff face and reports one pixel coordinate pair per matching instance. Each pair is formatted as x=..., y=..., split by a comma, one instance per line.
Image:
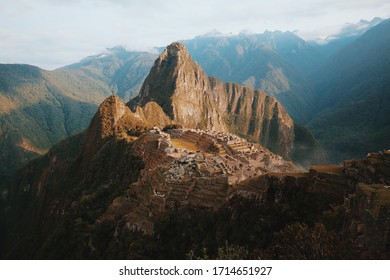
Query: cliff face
x=182, y=89
x=368, y=205
x=190, y=98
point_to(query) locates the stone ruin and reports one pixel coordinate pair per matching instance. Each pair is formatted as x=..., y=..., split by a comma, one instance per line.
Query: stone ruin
x=221, y=154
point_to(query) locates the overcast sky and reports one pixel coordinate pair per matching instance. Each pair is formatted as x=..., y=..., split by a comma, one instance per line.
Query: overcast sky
x=54, y=33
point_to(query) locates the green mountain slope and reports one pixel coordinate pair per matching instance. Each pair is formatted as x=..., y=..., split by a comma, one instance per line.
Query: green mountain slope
x=353, y=96
x=123, y=71
x=39, y=108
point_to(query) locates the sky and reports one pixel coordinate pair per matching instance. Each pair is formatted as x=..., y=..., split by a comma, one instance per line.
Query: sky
x=55, y=33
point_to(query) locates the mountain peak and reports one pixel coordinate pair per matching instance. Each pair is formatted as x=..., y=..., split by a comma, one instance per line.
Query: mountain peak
x=107, y=117
x=173, y=69
x=176, y=46
x=103, y=123
x=176, y=49
x=192, y=99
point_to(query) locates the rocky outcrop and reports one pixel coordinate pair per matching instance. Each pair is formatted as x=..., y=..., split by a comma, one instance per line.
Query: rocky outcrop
x=114, y=118
x=106, y=119
x=368, y=203
x=190, y=98
x=105, y=123
x=153, y=115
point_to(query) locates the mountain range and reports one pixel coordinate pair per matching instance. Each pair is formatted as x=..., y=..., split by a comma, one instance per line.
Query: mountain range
x=279, y=63
x=267, y=61
x=182, y=164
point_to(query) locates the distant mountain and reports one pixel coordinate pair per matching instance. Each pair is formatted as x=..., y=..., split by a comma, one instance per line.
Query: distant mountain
x=123, y=71
x=275, y=62
x=357, y=29
x=349, y=33
x=353, y=96
x=39, y=108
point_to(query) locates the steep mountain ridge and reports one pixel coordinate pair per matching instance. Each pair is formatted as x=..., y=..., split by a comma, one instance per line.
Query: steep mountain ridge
x=192, y=99
x=115, y=119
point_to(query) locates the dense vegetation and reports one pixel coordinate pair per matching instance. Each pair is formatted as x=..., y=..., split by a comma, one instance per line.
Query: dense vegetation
x=301, y=226
x=271, y=232
x=90, y=188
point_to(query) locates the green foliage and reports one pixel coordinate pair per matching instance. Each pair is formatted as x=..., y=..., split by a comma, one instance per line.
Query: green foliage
x=2, y=222
x=191, y=255
x=239, y=230
x=172, y=126
x=72, y=233
x=228, y=252
x=232, y=252
x=299, y=241
x=335, y=218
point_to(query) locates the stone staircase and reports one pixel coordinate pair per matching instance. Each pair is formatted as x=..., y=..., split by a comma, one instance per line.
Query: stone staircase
x=180, y=191
x=209, y=192
x=239, y=147
x=191, y=136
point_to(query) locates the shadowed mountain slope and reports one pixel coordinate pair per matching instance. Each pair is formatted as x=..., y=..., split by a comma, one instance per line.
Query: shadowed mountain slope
x=353, y=96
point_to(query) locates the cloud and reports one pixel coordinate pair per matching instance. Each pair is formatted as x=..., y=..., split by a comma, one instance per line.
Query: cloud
x=57, y=29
